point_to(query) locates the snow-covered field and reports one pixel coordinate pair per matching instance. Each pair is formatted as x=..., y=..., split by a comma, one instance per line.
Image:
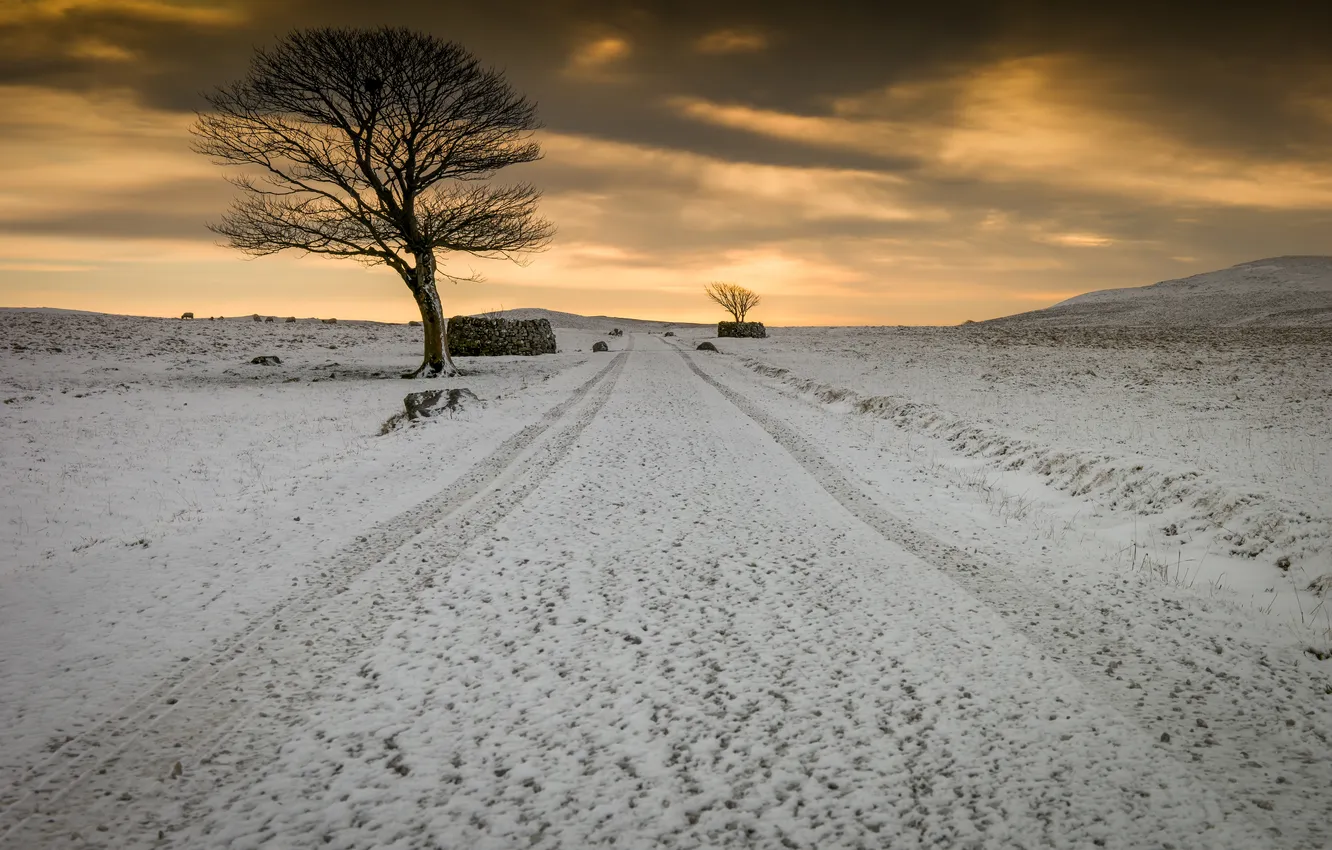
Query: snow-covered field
x=161, y=490
x=1208, y=452
x=837, y=588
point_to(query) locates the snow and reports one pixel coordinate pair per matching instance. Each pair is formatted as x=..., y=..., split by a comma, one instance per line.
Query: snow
x=1276, y=292
x=650, y=597
x=161, y=490
x=1202, y=447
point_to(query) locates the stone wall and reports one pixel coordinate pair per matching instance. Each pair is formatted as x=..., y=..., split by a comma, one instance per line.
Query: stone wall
x=471, y=336
x=753, y=330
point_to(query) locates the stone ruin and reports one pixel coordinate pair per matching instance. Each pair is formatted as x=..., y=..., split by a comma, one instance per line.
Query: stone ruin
x=473, y=336
x=750, y=330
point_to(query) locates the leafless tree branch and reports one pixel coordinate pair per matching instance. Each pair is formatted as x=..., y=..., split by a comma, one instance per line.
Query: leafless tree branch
x=733, y=298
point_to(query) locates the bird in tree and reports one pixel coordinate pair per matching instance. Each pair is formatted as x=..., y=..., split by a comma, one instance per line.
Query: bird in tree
x=376, y=146
x=733, y=298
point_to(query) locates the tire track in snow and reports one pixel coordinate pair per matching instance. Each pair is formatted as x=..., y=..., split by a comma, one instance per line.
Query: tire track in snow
x=88, y=759
x=1289, y=802
x=681, y=640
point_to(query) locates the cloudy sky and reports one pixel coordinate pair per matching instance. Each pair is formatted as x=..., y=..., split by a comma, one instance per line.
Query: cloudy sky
x=854, y=162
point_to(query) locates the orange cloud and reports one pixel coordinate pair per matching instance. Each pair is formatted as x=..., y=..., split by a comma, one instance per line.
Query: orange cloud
x=1021, y=120
x=598, y=56
x=1075, y=240
x=99, y=50
x=175, y=11
x=24, y=266
x=726, y=41
x=720, y=192
x=65, y=152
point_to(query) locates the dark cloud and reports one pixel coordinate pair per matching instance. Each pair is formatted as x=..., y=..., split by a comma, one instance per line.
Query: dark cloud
x=1220, y=74
x=166, y=61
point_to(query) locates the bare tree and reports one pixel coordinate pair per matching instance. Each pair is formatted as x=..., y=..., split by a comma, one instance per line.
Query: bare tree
x=376, y=145
x=734, y=298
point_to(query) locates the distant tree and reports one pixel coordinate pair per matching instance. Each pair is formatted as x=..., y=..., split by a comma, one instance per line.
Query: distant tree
x=376, y=145
x=733, y=298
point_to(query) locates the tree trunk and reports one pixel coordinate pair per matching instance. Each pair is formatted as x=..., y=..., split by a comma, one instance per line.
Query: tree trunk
x=433, y=323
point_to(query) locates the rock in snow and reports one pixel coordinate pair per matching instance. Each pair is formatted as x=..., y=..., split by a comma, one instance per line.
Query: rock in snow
x=431, y=402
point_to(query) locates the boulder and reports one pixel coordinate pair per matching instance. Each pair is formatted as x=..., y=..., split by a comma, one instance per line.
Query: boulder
x=706, y=346
x=187, y=315
x=413, y=324
x=267, y=360
x=474, y=336
x=291, y=318
x=258, y=318
x=600, y=345
x=669, y=333
x=329, y=321
x=429, y=403
x=750, y=330
x=615, y=332
x=268, y=319
x=421, y=404
x=1322, y=585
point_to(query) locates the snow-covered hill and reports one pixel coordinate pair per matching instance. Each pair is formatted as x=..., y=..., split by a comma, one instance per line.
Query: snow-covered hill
x=1276, y=292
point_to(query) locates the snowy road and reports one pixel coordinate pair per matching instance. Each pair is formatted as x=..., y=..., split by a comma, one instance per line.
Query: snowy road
x=656, y=618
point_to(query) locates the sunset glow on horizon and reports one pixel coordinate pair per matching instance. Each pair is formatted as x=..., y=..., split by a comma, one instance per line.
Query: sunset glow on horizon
x=853, y=167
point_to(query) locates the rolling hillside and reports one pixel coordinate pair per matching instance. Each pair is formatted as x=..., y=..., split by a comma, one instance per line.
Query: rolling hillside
x=1276, y=292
